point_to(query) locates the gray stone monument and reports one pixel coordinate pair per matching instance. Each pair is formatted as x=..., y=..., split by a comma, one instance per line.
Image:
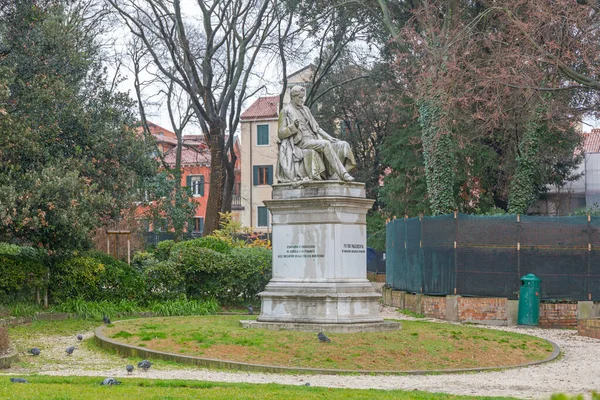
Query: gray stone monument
x=319, y=235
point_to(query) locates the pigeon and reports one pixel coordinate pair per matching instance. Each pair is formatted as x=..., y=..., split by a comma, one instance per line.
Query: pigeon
x=106, y=320
x=79, y=337
x=19, y=380
x=145, y=364
x=323, y=338
x=70, y=350
x=250, y=310
x=129, y=369
x=110, y=382
x=35, y=351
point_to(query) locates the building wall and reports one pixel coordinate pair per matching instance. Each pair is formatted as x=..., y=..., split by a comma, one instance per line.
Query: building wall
x=252, y=196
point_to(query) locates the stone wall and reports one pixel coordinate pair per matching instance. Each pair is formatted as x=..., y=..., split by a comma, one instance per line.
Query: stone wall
x=496, y=311
x=482, y=309
x=589, y=327
x=434, y=306
x=558, y=315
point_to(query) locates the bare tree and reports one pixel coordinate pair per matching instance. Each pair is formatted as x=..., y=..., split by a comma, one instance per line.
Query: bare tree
x=209, y=52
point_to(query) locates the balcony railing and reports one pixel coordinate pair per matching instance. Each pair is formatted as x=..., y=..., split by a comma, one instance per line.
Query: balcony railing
x=236, y=202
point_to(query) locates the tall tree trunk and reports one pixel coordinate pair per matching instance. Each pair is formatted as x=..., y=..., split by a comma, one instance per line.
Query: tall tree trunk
x=229, y=166
x=217, y=179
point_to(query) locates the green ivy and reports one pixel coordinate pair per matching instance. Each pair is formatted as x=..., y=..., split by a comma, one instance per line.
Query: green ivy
x=439, y=157
x=522, y=187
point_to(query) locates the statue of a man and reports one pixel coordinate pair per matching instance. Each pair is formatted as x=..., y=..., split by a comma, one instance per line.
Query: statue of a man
x=307, y=152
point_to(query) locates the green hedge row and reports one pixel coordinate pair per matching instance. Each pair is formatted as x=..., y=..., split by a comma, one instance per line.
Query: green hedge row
x=196, y=269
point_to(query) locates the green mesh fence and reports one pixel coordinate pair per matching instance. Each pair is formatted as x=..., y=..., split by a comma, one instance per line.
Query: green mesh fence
x=487, y=255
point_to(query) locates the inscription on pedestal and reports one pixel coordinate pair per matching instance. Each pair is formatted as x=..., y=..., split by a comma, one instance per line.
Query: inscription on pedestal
x=353, y=248
x=301, y=251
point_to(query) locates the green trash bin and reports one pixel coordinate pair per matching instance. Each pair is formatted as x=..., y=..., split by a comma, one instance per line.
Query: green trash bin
x=529, y=300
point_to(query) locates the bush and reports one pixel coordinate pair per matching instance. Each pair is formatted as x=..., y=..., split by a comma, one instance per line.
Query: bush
x=237, y=275
x=207, y=242
x=3, y=339
x=164, y=281
x=163, y=250
x=19, y=276
x=96, y=276
x=251, y=270
x=143, y=260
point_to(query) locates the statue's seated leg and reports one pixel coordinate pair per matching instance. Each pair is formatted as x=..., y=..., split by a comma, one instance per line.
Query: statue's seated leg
x=313, y=164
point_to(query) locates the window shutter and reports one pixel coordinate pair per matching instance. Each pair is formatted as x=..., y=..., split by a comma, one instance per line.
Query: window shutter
x=262, y=135
x=255, y=174
x=201, y=183
x=262, y=217
x=270, y=174
x=188, y=183
x=201, y=228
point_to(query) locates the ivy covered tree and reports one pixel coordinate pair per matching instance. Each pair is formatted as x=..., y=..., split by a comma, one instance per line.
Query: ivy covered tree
x=69, y=158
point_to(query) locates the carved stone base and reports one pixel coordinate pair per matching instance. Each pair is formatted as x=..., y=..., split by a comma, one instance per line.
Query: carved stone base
x=319, y=256
x=320, y=303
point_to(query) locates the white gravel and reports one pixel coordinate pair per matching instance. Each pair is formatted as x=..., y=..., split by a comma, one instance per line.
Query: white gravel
x=576, y=372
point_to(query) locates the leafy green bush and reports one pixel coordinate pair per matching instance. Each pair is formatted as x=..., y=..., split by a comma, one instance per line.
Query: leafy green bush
x=237, y=275
x=96, y=276
x=163, y=250
x=164, y=281
x=9, y=249
x=250, y=272
x=207, y=242
x=143, y=260
x=19, y=276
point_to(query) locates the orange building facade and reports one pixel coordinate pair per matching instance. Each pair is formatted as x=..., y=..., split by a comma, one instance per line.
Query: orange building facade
x=195, y=165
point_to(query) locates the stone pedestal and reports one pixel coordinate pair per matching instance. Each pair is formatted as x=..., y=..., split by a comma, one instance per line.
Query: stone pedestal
x=319, y=259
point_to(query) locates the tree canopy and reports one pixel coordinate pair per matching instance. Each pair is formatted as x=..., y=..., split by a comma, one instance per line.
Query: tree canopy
x=69, y=157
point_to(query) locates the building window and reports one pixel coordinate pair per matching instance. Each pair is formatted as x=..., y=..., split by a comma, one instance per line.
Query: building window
x=196, y=184
x=262, y=216
x=262, y=135
x=263, y=175
x=198, y=224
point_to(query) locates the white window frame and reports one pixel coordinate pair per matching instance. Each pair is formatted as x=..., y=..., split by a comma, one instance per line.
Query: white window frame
x=268, y=135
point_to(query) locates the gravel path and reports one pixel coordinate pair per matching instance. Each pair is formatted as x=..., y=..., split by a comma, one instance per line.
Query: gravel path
x=577, y=372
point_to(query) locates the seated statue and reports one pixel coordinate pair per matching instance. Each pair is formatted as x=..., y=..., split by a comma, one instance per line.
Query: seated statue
x=307, y=152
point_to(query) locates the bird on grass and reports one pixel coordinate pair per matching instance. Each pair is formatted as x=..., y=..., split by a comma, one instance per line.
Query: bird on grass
x=106, y=320
x=19, y=380
x=129, y=369
x=110, y=382
x=35, y=351
x=70, y=350
x=144, y=364
x=79, y=337
x=323, y=338
x=250, y=310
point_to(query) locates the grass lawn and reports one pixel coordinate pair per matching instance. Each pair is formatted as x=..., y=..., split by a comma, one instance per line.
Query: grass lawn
x=419, y=345
x=84, y=388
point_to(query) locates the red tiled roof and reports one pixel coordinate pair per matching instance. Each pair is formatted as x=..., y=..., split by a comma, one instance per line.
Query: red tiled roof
x=189, y=156
x=591, y=141
x=263, y=107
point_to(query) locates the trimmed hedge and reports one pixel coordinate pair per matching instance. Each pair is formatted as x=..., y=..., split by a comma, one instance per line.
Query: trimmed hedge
x=96, y=276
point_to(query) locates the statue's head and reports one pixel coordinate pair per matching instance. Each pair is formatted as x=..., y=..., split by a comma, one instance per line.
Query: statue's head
x=297, y=94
